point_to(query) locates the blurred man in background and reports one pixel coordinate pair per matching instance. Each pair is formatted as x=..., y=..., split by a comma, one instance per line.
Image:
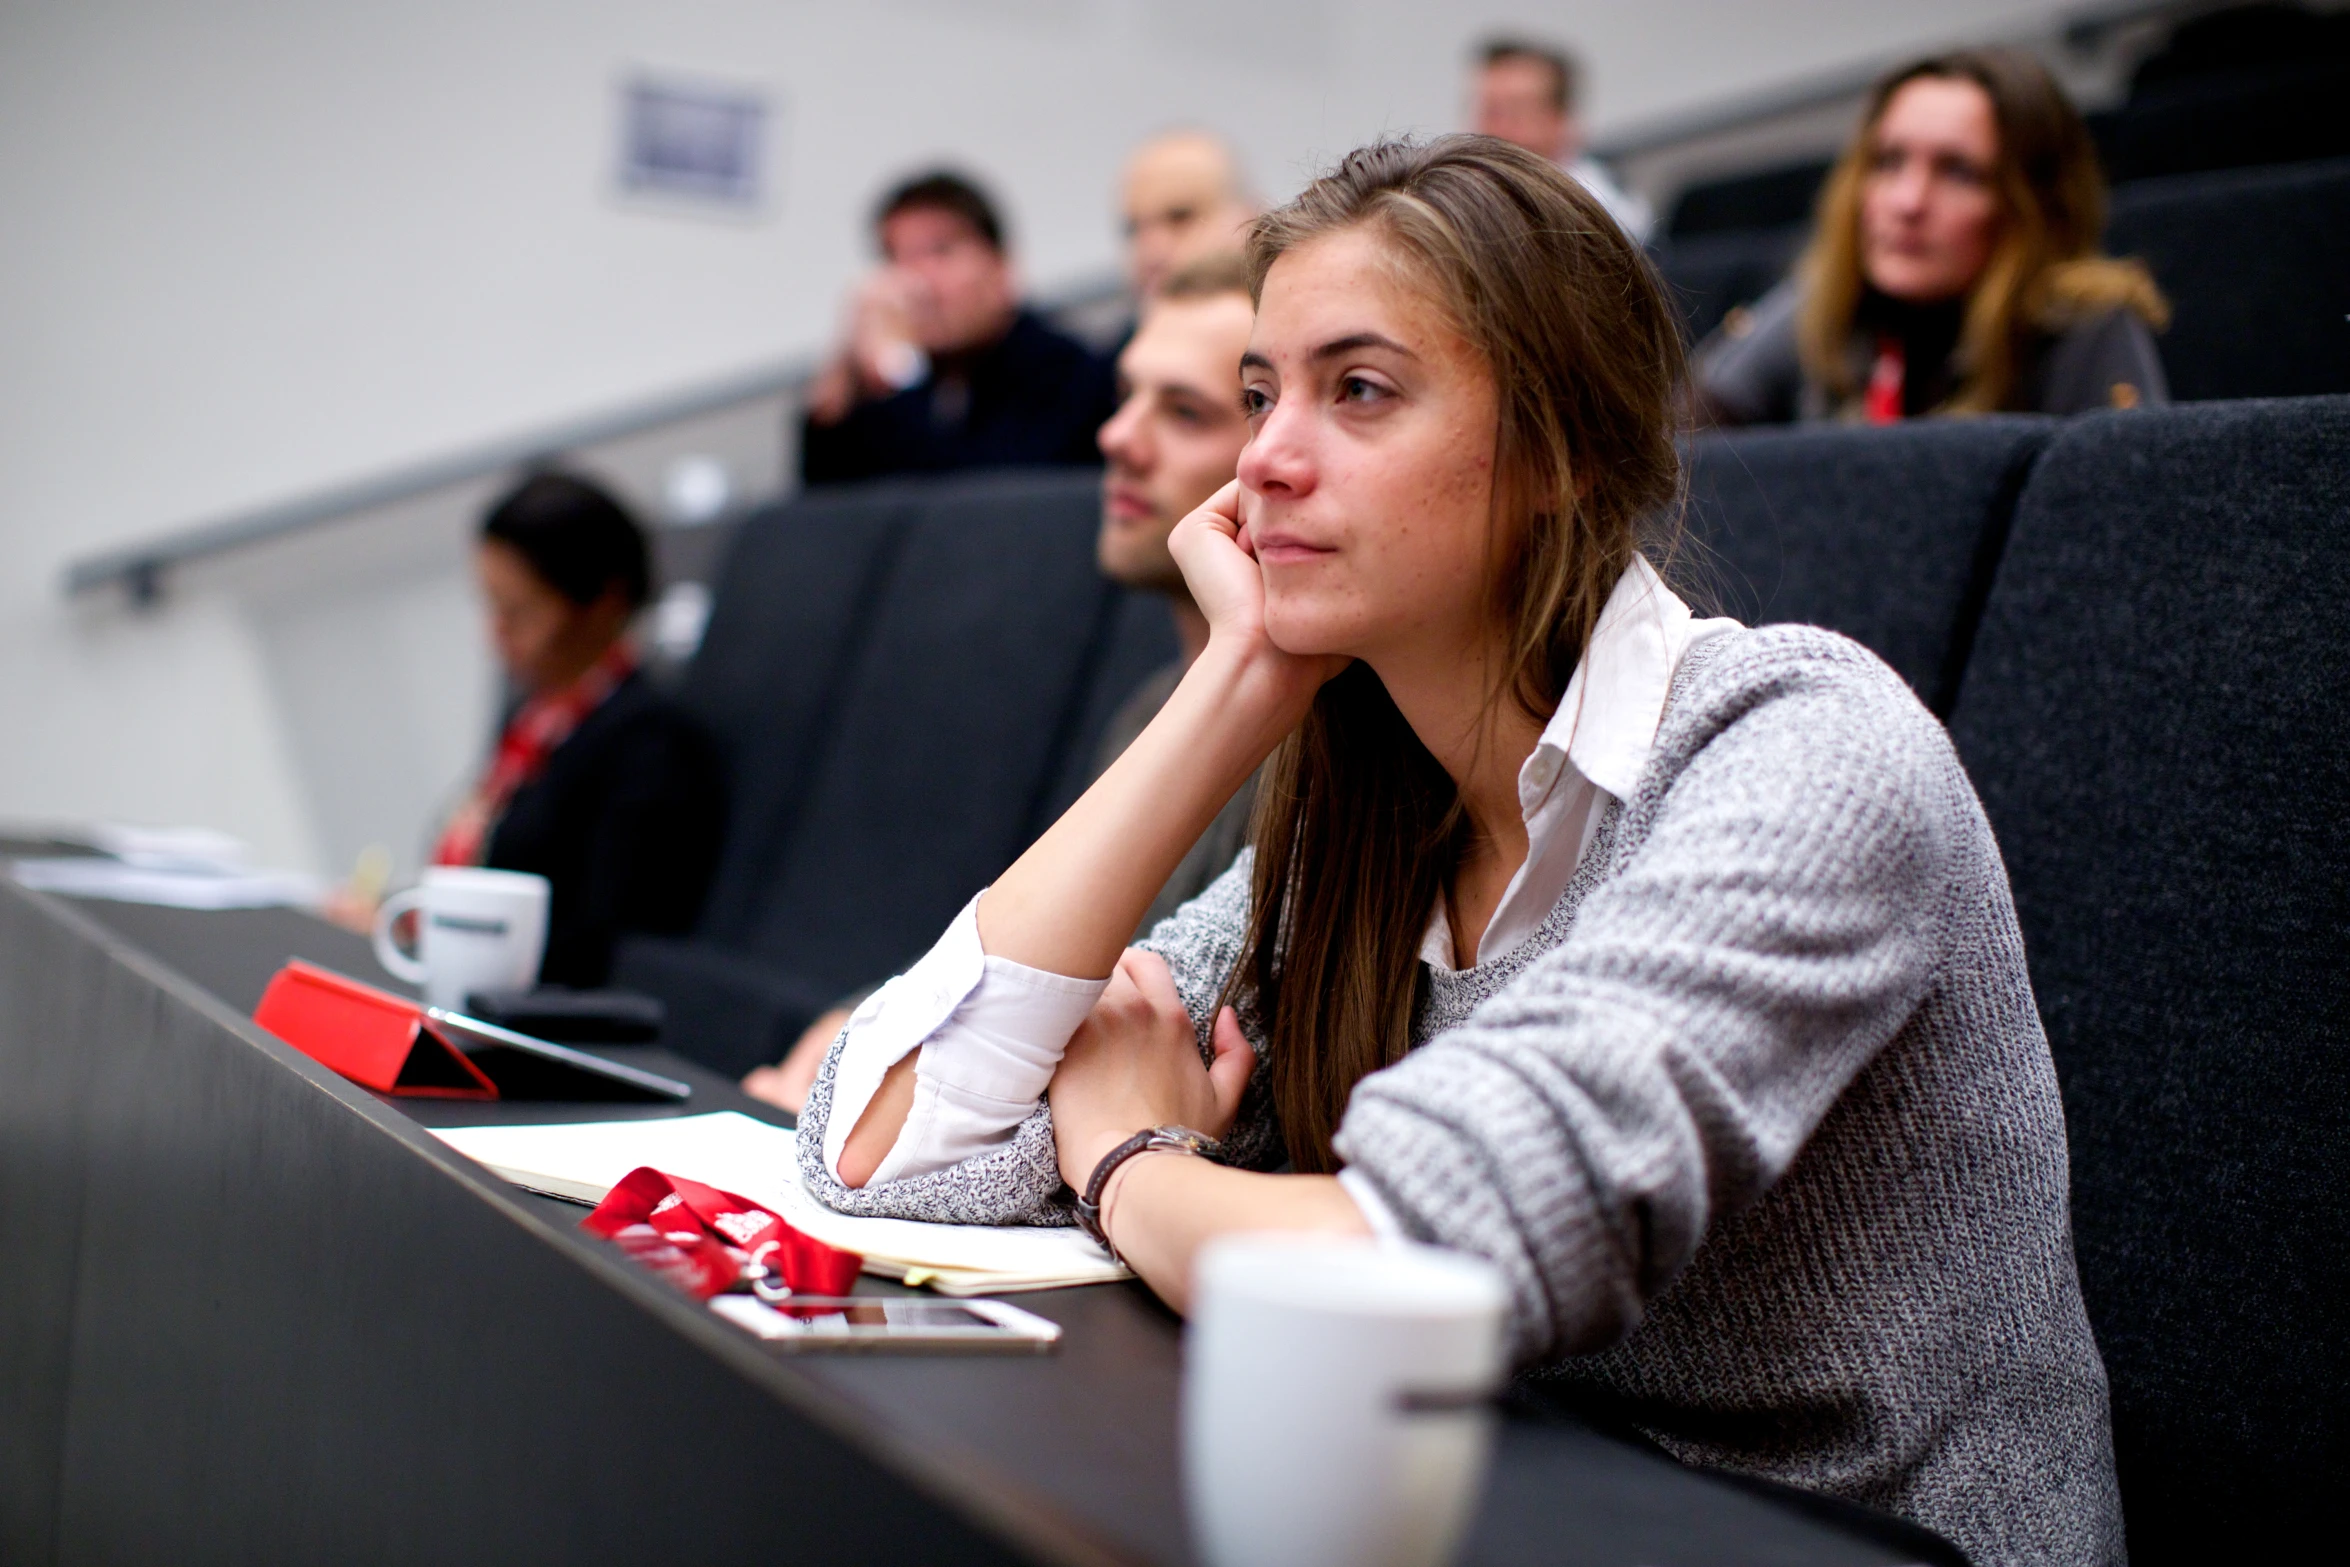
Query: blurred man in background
x=1182, y=197
x=940, y=367
x=1525, y=93
x=1174, y=442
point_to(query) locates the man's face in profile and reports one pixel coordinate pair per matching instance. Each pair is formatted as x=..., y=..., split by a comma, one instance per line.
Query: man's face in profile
x=1516, y=100
x=960, y=292
x=1177, y=434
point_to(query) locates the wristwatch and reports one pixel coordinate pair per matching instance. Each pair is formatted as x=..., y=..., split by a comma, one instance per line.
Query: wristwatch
x=1159, y=1139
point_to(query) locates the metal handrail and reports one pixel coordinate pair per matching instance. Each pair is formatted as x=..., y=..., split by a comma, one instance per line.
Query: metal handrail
x=139, y=568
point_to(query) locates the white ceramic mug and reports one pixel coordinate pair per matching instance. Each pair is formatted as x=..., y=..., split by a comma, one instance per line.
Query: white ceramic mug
x=1336, y=1400
x=475, y=930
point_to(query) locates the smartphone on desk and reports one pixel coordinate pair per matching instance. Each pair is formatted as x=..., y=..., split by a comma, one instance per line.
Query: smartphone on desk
x=833, y=1324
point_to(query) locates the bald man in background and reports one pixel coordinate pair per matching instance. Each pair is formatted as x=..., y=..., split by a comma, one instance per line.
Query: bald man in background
x=1182, y=197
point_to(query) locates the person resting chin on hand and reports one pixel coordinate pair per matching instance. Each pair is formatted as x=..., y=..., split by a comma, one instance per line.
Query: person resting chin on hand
x=1667, y=965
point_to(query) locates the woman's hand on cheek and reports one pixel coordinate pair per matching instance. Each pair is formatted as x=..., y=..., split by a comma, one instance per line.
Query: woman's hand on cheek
x=1218, y=567
x=1211, y=546
x=1134, y=1064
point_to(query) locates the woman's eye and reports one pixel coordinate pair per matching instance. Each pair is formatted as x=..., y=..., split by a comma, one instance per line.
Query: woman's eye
x=1355, y=389
x=1255, y=400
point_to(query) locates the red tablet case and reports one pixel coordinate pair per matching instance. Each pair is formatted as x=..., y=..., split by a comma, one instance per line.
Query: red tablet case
x=374, y=1038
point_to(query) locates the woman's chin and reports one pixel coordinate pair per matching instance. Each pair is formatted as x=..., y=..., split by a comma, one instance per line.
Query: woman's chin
x=1308, y=635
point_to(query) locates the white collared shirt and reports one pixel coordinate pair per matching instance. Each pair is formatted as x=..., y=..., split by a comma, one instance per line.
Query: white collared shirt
x=1631, y=212
x=991, y=1031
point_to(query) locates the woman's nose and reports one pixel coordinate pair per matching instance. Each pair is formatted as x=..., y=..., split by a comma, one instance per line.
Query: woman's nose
x=1909, y=188
x=1279, y=457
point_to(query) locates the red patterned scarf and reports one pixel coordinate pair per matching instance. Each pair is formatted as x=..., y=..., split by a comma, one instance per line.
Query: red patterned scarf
x=531, y=736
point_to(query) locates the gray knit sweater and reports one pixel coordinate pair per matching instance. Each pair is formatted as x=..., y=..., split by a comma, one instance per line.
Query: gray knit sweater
x=1760, y=1126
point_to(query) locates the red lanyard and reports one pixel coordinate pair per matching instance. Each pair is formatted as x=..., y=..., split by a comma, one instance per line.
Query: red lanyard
x=530, y=737
x=1886, y=376
x=707, y=1242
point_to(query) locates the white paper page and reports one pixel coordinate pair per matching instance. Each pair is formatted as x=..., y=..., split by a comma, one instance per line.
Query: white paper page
x=735, y=1153
x=86, y=876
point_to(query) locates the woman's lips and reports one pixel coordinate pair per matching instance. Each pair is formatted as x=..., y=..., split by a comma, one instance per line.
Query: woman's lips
x=1277, y=548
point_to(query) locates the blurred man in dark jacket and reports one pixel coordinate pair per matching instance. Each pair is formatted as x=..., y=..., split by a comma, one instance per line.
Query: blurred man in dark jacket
x=941, y=368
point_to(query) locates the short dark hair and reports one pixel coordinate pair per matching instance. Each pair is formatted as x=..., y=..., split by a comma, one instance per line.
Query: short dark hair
x=944, y=190
x=575, y=535
x=1566, y=74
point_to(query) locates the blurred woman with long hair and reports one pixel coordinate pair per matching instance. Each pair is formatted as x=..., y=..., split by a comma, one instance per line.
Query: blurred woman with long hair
x=1954, y=268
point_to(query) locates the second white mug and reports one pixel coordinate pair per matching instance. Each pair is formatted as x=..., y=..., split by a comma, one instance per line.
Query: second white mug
x=475, y=930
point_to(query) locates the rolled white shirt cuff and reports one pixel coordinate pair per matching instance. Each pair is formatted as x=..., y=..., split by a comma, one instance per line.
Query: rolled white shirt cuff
x=1385, y=1226
x=990, y=1030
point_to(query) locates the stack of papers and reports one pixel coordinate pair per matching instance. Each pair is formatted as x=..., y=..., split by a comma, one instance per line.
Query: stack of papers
x=178, y=867
x=176, y=887
x=584, y=1160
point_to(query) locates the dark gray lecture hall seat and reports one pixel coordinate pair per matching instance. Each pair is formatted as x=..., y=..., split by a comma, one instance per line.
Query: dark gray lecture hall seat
x=987, y=655
x=2257, y=266
x=794, y=599
x=2155, y=715
x=1887, y=535
x=1711, y=273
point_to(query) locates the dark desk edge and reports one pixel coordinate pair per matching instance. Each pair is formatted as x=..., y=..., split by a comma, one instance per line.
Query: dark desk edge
x=997, y=1501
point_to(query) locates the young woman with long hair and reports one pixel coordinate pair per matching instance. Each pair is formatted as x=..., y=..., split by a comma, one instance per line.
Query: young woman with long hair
x=1954, y=268
x=1667, y=964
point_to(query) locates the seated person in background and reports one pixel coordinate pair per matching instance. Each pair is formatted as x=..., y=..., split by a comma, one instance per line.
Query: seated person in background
x=1171, y=445
x=1524, y=93
x=599, y=783
x=941, y=368
x=1182, y=198
x=1954, y=269
x=1668, y=965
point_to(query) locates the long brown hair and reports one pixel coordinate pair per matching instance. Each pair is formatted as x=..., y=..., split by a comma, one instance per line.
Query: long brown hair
x=1358, y=827
x=2045, y=270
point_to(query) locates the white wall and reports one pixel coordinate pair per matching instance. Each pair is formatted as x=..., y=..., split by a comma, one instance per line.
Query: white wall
x=254, y=248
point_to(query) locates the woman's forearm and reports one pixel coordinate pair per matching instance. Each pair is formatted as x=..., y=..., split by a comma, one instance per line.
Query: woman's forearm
x=1163, y=1207
x=1070, y=904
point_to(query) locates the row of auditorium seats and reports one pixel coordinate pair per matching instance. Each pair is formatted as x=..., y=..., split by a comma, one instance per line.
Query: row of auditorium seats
x=2256, y=263
x=2126, y=619
x=909, y=680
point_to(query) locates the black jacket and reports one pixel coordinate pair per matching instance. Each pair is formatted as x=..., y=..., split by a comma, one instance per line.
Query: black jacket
x=625, y=821
x=1749, y=370
x=1035, y=398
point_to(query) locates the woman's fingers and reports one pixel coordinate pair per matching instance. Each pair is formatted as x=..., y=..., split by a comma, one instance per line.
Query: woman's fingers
x=1151, y=977
x=1236, y=1061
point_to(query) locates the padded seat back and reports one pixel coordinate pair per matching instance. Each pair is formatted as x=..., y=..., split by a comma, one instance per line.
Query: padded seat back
x=1887, y=535
x=2257, y=266
x=795, y=599
x=1712, y=273
x=2157, y=715
x=978, y=671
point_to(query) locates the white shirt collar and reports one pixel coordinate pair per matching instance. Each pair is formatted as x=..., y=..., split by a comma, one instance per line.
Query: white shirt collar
x=1596, y=743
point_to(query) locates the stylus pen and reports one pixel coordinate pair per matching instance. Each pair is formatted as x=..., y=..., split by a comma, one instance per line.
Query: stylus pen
x=547, y=1047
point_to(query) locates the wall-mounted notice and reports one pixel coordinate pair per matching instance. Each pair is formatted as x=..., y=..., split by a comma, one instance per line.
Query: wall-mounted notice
x=694, y=140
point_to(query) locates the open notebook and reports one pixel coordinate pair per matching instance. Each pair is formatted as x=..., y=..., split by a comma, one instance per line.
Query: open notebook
x=583, y=1160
